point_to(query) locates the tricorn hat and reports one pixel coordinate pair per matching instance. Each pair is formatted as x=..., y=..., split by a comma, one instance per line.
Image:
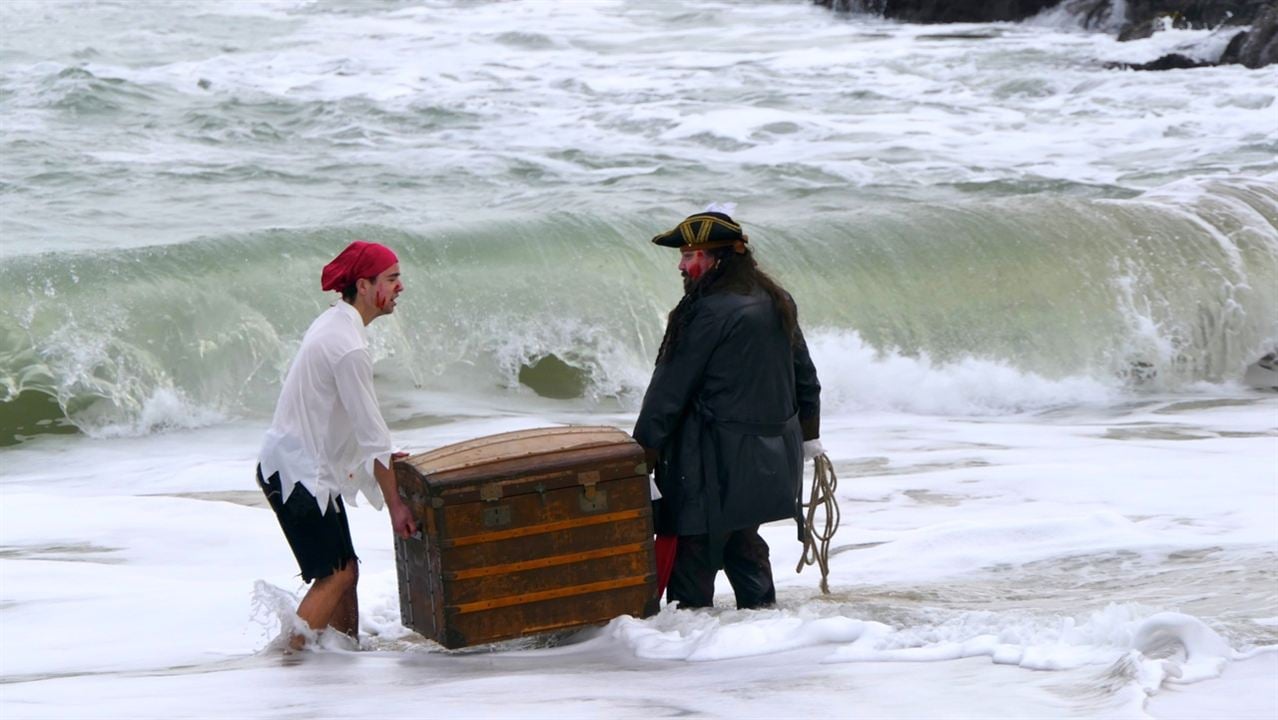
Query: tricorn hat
x=703, y=231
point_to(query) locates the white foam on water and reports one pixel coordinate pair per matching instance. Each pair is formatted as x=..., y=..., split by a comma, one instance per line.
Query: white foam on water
x=858, y=376
x=1246, y=690
x=1164, y=647
x=987, y=509
x=276, y=608
x=1103, y=637
x=1046, y=489
x=699, y=637
x=166, y=409
x=965, y=545
x=761, y=85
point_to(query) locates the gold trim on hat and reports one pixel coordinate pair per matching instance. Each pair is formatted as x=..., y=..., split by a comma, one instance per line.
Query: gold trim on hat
x=696, y=229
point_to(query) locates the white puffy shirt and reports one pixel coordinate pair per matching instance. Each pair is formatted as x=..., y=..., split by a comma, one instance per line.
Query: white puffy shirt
x=328, y=431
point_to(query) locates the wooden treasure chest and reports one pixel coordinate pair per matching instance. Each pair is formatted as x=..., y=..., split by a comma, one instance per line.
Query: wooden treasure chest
x=526, y=532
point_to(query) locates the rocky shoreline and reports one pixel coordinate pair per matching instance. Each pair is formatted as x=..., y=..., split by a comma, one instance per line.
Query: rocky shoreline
x=1254, y=45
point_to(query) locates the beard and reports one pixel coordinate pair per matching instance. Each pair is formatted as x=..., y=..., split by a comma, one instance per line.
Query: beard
x=690, y=283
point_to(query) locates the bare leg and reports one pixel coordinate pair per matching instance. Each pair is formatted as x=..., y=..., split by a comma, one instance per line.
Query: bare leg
x=345, y=617
x=322, y=599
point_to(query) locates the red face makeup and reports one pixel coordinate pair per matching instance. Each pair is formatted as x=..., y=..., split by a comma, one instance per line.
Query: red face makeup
x=386, y=288
x=694, y=263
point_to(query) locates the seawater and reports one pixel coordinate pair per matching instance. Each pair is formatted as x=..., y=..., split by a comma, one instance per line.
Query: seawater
x=174, y=179
x=1033, y=288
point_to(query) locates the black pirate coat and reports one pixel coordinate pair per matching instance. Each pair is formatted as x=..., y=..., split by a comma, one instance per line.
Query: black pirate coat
x=728, y=412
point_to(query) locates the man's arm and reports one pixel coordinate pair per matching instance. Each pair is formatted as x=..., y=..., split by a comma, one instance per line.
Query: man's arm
x=402, y=522
x=354, y=376
x=807, y=388
x=674, y=381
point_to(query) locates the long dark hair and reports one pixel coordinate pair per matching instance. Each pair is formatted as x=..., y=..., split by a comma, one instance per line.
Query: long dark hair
x=734, y=273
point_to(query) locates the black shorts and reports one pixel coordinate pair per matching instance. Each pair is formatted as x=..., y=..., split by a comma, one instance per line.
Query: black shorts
x=321, y=542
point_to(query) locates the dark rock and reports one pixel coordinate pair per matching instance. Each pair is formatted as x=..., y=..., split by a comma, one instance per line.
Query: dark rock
x=553, y=378
x=1233, y=51
x=1147, y=16
x=1263, y=373
x=1140, y=372
x=1174, y=61
x=944, y=11
x=1255, y=48
x=1091, y=13
x=1260, y=46
x=1143, y=18
x=1132, y=31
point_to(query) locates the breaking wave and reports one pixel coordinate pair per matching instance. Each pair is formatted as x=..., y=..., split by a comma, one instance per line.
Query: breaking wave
x=982, y=306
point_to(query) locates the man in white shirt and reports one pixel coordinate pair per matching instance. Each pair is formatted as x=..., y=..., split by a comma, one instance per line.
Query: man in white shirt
x=328, y=441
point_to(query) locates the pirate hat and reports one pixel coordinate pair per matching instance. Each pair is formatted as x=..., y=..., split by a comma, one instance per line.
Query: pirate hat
x=703, y=231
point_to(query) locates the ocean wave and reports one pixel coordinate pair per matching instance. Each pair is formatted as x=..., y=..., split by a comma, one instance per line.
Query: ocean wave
x=986, y=306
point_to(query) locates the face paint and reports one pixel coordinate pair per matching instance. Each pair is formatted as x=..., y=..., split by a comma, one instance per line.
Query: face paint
x=386, y=288
x=696, y=269
x=694, y=264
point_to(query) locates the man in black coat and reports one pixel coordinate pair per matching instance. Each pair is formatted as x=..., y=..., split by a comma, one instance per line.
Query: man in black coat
x=733, y=405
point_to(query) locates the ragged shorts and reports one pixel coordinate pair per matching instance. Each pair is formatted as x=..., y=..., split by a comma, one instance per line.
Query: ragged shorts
x=321, y=542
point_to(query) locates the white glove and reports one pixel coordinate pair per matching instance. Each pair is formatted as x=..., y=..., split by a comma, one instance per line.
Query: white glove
x=812, y=448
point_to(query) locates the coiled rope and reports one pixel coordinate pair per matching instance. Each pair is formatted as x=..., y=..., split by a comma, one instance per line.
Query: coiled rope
x=816, y=542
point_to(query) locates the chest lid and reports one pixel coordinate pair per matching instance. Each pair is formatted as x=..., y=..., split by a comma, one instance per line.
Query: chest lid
x=543, y=455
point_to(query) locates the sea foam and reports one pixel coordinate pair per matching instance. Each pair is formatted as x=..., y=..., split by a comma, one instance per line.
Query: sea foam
x=1158, y=647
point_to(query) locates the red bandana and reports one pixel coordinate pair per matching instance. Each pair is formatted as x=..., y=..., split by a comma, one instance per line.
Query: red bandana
x=359, y=260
